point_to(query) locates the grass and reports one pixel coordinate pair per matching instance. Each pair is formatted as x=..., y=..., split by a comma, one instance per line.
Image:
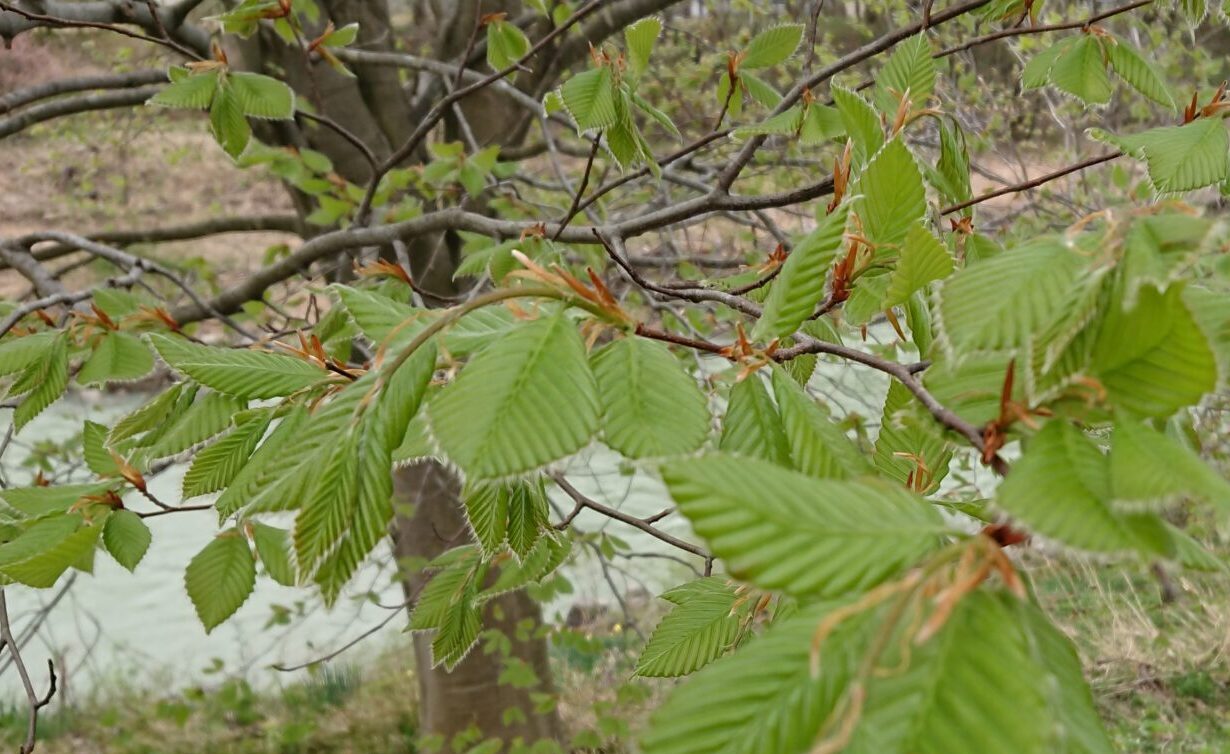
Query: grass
x=1160, y=672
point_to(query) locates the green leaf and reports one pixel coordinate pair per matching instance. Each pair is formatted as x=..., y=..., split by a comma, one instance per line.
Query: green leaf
x=818, y=447
x=528, y=514
x=1148, y=469
x=215, y=467
x=1154, y=359
x=799, y=287
x=95, y=452
x=1139, y=73
x=782, y=530
x=342, y=37
x=119, y=356
x=260, y=96
x=1061, y=488
x=752, y=426
x=951, y=174
x=756, y=87
x=18, y=353
x=930, y=708
x=220, y=578
x=548, y=554
x=909, y=443
x=44, y=552
x=486, y=505
x=209, y=416
x=760, y=699
x=126, y=537
x=228, y=124
x=640, y=38
x=1080, y=70
x=786, y=123
x=862, y=123
x=821, y=124
x=190, y=91
x=457, y=633
x=506, y=44
x=772, y=46
x=43, y=381
x=651, y=407
x=523, y=402
x=1182, y=158
x=923, y=260
x=702, y=627
x=998, y=303
x=590, y=99
x=241, y=373
x=351, y=504
x=150, y=415
x=1037, y=72
x=451, y=583
x=273, y=548
x=893, y=197
x=909, y=69
x=37, y=502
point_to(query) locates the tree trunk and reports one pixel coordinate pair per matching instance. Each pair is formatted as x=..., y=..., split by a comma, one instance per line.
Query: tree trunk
x=470, y=700
x=468, y=704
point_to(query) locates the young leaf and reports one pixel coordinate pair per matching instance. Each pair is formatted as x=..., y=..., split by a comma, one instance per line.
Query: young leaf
x=910, y=448
x=523, y=402
x=18, y=353
x=528, y=513
x=215, y=467
x=227, y=122
x=760, y=699
x=1147, y=467
x=1081, y=71
x=782, y=530
x=772, y=46
x=752, y=426
x=43, y=381
x=188, y=91
x=590, y=99
x=486, y=505
x=506, y=44
x=651, y=407
x=999, y=303
x=241, y=373
x=126, y=537
x=893, y=195
x=42, y=553
x=923, y=260
x=95, y=452
x=818, y=447
x=119, y=356
x=862, y=123
x=910, y=70
x=260, y=96
x=1061, y=488
x=1139, y=73
x=1182, y=158
x=273, y=548
x=702, y=627
x=209, y=416
x=640, y=38
x=1154, y=359
x=800, y=285
x=928, y=707
x=349, y=509
x=220, y=578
